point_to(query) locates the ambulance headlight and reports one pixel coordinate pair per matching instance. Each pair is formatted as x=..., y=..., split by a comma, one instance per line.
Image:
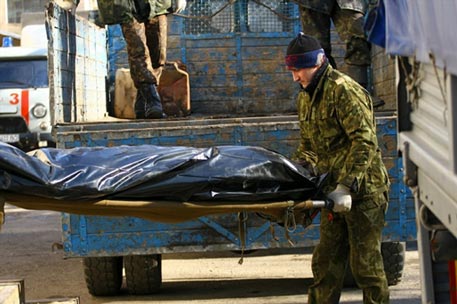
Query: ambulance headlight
x=39, y=111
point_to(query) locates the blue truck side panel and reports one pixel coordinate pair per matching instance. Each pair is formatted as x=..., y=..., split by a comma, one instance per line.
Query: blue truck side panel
x=105, y=236
x=240, y=95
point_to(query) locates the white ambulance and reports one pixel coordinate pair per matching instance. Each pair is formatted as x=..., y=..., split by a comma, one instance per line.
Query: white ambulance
x=24, y=97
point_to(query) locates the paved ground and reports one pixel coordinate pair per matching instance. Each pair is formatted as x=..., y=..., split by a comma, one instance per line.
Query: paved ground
x=26, y=252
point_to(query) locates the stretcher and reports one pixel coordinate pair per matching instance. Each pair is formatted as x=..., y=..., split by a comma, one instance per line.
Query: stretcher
x=163, y=184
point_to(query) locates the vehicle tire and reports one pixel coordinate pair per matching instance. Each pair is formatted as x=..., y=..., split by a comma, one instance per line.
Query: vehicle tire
x=143, y=273
x=103, y=275
x=393, y=255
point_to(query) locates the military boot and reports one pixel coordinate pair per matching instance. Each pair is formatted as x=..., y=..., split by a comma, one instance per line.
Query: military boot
x=139, y=106
x=152, y=103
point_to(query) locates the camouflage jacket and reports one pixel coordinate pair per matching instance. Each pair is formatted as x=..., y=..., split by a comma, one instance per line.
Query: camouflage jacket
x=338, y=135
x=326, y=6
x=122, y=11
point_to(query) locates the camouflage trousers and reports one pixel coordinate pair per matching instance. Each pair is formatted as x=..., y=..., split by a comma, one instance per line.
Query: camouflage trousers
x=348, y=24
x=146, y=48
x=355, y=237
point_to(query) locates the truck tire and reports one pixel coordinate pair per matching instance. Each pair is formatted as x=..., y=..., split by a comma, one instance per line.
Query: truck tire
x=143, y=273
x=103, y=275
x=393, y=255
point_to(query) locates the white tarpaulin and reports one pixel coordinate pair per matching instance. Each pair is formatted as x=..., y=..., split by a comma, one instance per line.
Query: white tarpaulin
x=423, y=27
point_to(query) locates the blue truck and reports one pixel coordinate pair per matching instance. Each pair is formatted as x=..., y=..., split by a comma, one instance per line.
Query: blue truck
x=240, y=95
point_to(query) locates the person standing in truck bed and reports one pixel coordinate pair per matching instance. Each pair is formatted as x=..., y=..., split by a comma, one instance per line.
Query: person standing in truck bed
x=144, y=26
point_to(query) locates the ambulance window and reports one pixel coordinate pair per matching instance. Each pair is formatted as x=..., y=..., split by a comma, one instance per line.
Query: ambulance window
x=23, y=74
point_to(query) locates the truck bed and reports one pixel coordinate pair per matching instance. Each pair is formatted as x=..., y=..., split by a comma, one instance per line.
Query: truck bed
x=86, y=235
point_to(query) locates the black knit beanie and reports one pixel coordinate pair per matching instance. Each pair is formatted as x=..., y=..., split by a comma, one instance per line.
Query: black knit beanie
x=303, y=52
x=302, y=44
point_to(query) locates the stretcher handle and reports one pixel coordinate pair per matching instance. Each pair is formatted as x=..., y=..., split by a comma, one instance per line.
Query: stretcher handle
x=327, y=204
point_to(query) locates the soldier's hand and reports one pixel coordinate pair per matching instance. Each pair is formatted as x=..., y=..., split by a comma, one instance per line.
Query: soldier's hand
x=341, y=198
x=180, y=5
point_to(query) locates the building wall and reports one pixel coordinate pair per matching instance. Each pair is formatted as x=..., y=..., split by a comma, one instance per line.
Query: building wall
x=15, y=9
x=11, y=11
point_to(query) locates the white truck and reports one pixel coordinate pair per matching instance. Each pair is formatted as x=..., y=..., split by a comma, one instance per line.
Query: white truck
x=25, y=116
x=421, y=33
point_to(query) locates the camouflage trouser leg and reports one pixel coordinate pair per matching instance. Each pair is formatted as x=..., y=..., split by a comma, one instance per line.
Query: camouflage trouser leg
x=355, y=236
x=318, y=25
x=349, y=25
x=156, y=34
x=139, y=61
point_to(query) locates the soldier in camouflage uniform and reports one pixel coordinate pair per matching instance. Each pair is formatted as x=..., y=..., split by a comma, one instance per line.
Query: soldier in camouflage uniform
x=338, y=136
x=144, y=26
x=347, y=16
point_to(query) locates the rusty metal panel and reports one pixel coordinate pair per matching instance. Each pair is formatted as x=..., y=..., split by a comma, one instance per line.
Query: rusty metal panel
x=77, y=67
x=104, y=236
x=128, y=236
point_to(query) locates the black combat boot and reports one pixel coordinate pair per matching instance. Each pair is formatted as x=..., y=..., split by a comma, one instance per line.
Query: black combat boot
x=139, y=106
x=152, y=103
